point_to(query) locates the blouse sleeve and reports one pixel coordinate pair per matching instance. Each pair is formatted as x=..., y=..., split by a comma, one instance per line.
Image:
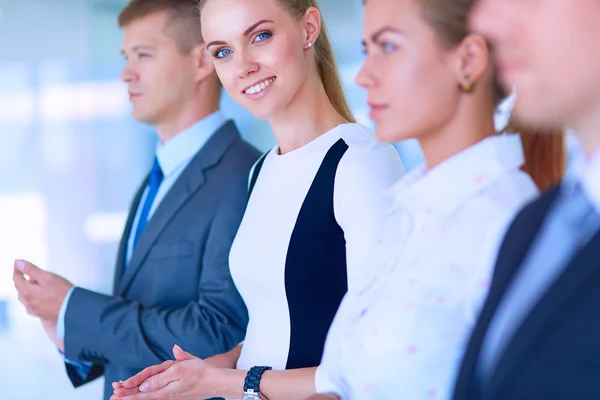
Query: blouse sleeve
x=328, y=378
x=362, y=200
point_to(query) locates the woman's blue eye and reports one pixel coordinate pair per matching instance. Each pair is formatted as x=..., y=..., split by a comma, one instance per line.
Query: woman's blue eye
x=262, y=36
x=222, y=53
x=388, y=47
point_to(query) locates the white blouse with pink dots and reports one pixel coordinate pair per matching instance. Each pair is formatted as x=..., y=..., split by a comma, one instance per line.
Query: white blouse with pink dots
x=402, y=333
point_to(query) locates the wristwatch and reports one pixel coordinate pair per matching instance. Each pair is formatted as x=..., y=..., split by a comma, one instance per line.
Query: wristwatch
x=252, y=382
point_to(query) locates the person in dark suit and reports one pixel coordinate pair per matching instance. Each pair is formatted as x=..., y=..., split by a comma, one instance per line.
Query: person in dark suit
x=538, y=333
x=172, y=282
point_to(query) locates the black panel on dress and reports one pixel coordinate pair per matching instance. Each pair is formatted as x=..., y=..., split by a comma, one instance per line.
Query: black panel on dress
x=316, y=278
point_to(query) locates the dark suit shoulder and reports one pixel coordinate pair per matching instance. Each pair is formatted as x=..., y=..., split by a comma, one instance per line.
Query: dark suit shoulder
x=533, y=212
x=237, y=161
x=519, y=238
x=231, y=148
x=527, y=222
x=244, y=151
x=513, y=249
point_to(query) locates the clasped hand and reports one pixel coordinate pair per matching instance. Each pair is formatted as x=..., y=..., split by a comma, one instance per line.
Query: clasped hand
x=185, y=378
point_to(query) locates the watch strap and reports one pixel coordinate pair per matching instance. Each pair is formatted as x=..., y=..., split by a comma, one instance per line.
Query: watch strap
x=252, y=381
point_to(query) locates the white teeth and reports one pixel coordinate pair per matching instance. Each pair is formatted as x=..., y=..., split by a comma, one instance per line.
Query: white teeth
x=260, y=86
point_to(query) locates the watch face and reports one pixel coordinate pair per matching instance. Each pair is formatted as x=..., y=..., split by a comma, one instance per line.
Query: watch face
x=251, y=396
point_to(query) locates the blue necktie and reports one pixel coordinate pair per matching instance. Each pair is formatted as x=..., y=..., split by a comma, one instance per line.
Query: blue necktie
x=154, y=181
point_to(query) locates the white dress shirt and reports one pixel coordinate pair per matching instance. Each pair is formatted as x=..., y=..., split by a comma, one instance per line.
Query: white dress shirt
x=586, y=170
x=588, y=173
x=402, y=334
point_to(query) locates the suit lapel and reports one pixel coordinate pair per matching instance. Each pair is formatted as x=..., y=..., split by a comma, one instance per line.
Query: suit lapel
x=554, y=303
x=122, y=253
x=513, y=250
x=190, y=181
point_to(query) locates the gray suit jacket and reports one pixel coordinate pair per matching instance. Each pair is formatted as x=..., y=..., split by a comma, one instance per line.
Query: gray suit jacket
x=177, y=288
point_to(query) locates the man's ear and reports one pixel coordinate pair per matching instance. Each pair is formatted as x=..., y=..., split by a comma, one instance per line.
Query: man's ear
x=203, y=63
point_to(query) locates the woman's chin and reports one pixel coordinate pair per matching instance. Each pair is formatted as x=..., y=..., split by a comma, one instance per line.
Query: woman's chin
x=262, y=112
x=389, y=133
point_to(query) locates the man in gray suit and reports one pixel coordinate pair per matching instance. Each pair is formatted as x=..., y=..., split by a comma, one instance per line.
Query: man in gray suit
x=172, y=283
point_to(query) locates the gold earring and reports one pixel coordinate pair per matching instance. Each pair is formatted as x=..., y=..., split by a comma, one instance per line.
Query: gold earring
x=466, y=85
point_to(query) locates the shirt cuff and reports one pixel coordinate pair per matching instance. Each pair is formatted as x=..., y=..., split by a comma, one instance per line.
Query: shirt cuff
x=83, y=368
x=325, y=385
x=60, y=322
x=81, y=364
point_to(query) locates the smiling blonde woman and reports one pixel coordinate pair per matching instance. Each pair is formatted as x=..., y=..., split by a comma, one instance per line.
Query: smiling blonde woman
x=318, y=199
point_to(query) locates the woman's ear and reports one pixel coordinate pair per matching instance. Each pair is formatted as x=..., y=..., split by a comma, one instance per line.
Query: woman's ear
x=472, y=61
x=312, y=26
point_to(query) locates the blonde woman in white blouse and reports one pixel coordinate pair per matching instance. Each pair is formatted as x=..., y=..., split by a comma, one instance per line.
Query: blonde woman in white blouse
x=402, y=334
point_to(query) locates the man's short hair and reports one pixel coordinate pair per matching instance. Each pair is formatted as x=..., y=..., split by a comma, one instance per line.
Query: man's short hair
x=183, y=23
